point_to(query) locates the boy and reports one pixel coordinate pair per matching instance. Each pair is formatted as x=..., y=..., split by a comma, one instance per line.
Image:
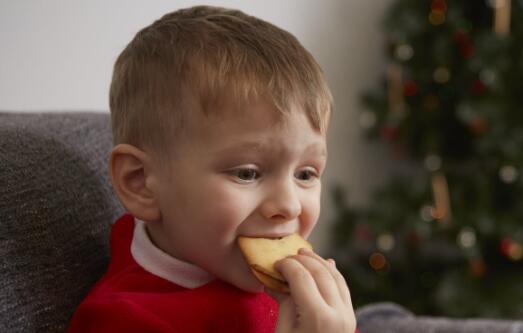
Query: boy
x=219, y=123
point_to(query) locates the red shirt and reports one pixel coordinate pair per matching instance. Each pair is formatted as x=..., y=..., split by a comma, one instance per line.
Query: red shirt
x=130, y=299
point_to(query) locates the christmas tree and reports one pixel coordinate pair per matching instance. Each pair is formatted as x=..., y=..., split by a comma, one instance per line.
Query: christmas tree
x=445, y=236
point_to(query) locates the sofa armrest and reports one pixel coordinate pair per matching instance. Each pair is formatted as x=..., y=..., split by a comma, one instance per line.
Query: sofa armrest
x=56, y=209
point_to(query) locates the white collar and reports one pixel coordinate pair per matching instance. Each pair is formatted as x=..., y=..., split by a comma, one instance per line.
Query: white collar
x=159, y=263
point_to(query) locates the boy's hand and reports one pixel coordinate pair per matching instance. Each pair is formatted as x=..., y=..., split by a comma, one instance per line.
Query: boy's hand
x=319, y=299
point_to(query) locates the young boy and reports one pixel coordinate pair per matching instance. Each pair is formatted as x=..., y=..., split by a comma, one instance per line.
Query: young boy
x=219, y=122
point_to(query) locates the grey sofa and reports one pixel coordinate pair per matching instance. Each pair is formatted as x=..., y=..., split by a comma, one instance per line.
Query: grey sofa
x=56, y=209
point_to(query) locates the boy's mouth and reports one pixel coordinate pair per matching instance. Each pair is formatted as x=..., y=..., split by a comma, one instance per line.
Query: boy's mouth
x=262, y=253
x=271, y=235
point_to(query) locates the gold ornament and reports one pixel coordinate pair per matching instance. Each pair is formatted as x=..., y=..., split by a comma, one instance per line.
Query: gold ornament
x=395, y=88
x=440, y=190
x=501, y=17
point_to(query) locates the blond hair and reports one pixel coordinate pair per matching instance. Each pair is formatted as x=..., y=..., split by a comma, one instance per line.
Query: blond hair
x=205, y=52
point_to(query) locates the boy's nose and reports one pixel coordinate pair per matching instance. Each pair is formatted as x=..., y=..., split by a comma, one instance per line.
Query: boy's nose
x=282, y=203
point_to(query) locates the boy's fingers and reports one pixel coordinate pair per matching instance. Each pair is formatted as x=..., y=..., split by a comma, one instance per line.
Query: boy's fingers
x=301, y=283
x=343, y=289
x=319, y=294
x=342, y=286
x=323, y=279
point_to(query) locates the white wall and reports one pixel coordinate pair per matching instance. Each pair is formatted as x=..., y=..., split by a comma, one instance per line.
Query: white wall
x=58, y=55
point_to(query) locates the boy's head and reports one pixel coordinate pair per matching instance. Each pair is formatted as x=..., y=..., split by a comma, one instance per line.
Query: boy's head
x=196, y=57
x=238, y=109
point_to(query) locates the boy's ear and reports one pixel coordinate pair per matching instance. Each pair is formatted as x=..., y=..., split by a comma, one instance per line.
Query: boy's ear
x=130, y=171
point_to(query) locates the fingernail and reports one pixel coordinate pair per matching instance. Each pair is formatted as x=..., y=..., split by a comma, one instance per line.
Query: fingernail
x=332, y=262
x=277, y=264
x=305, y=250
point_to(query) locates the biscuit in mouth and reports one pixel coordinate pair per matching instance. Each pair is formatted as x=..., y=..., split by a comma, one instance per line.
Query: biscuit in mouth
x=262, y=253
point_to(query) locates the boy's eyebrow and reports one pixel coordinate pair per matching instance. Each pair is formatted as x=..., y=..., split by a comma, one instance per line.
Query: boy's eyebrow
x=317, y=148
x=256, y=146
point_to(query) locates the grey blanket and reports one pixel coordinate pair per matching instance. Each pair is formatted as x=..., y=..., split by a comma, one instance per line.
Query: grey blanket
x=392, y=318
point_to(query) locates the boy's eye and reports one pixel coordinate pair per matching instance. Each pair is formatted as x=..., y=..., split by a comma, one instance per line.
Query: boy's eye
x=246, y=174
x=306, y=175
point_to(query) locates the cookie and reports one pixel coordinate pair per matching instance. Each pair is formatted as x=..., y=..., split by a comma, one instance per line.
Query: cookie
x=270, y=282
x=262, y=253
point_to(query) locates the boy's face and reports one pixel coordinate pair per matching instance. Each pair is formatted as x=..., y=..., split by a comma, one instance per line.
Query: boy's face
x=250, y=172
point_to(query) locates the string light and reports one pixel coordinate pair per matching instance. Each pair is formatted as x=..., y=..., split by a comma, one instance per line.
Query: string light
x=436, y=17
x=385, y=242
x=433, y=162
x=515, y=252
x=508, y=174
x=467, y=238
x=439, y=5
x=512, y=249
x=478, y=126
x=441, y=75
x=426, y=213
x=404, y=52
x=477, y=267
x=488, y=76
x=438, y=11
x=377, y=261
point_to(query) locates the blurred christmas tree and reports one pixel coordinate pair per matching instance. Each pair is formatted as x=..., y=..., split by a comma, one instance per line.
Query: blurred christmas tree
x=448, y=238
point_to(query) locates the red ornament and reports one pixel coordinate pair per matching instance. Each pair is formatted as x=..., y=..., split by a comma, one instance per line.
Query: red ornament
x=477, y=267
x=399, y=151
x=511, y=249
x=410, y=88
x=389, y=132
x=466, y=48
x=439, y=5
x=362, y=233
x=478, y=126
x=460, y=37
x=478, y=86
x=504, y=246
x=414, y=238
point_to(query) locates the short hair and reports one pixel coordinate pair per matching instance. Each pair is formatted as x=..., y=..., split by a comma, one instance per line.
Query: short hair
x=206, y=52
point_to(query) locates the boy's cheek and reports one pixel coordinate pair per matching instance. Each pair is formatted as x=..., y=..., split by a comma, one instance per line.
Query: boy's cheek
x=310, y=216
x=225, y=211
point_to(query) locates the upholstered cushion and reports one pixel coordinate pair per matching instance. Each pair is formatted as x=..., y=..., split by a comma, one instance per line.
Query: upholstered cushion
x=56, y=208
x=392, y=318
